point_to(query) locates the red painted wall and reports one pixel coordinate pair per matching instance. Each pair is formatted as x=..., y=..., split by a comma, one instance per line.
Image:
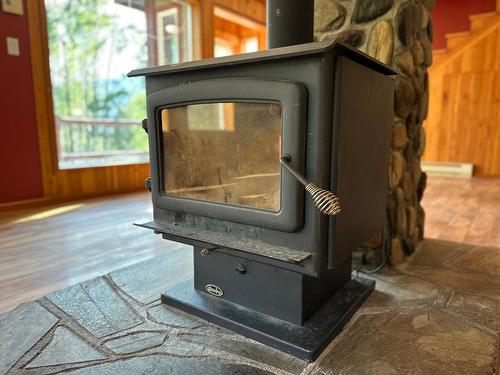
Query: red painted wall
x=20, y=171
x=451, y=16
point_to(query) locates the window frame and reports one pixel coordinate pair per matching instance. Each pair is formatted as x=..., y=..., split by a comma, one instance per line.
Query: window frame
x=160, y=31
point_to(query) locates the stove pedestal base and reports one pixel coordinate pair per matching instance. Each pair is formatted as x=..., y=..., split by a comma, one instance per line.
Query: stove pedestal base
x=303, y=341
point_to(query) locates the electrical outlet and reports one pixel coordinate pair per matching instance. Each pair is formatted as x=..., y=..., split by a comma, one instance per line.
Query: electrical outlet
x=13, y=46
x=13, y=6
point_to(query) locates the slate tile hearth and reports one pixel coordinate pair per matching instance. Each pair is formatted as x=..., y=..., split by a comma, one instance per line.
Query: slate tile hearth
x=438, y=313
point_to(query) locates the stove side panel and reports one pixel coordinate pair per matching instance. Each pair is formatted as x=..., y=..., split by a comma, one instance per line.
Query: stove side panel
x=363, y=112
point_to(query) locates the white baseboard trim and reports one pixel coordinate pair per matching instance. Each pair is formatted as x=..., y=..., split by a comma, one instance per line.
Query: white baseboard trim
x=447, y=169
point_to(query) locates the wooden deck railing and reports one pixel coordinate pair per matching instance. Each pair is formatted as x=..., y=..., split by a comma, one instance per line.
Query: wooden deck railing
x=88, y=138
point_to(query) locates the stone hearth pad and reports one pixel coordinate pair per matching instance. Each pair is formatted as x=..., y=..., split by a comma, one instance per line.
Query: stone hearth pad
x=438, y=313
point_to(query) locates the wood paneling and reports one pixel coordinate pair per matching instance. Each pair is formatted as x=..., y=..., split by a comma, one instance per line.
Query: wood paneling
x=463, y=123
x=207, y=29
x=254, y=10
x=236, y=33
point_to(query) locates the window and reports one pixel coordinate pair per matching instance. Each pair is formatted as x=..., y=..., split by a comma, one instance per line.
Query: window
x=93, y=44
x=224, y=47
x=174, y=34
x=223, y=152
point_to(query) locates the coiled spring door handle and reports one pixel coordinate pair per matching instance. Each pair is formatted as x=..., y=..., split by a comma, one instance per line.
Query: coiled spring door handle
x=325, y=201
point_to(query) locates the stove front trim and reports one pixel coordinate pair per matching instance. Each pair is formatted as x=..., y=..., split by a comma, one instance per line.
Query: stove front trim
x=293, y=99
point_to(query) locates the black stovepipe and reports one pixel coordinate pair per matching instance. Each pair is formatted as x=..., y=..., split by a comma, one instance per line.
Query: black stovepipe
x=289, y=22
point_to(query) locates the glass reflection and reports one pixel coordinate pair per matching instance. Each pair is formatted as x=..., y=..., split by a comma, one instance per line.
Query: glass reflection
x=223, y=152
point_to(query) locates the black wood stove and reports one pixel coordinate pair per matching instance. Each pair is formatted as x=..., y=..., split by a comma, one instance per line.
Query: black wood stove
x=235, y=144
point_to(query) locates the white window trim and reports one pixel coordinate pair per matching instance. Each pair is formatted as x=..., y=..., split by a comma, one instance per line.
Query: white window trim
x=160, y=31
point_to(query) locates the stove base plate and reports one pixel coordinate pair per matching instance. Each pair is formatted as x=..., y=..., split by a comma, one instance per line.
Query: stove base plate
x=305, y=342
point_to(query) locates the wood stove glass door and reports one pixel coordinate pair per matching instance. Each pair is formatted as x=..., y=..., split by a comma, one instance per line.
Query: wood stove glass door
x=224, y=152
x=215, y=147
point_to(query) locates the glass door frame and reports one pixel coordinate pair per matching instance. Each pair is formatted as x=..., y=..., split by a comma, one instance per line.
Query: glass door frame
x=290, y=217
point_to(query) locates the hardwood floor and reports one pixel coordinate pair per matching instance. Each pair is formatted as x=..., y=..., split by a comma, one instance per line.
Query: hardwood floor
x=48, y=248
x=463, y=210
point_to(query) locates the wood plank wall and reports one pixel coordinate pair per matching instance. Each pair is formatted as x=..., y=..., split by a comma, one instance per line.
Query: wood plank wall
x=463, y=123
x=253, y=9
